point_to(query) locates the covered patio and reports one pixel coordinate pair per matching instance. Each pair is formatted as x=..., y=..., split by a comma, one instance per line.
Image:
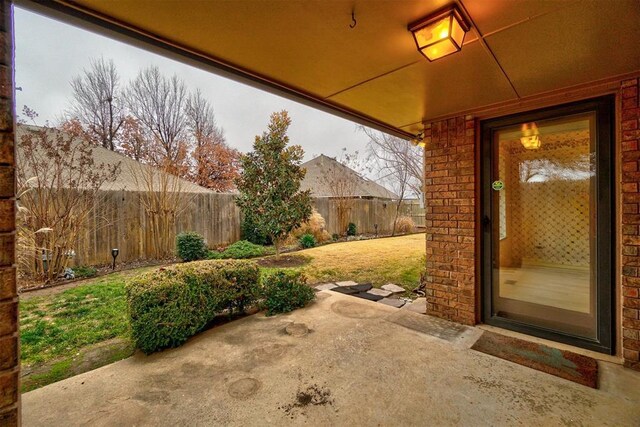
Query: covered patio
x=340, y=361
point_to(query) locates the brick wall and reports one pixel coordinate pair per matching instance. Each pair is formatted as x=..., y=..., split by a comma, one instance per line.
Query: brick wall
x=630, y=152
x=450, y=219
x=9, y=361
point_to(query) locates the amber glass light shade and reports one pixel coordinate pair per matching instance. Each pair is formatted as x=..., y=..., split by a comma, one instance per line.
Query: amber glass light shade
x=441, y=34
x=530, y=136
x=531, y=142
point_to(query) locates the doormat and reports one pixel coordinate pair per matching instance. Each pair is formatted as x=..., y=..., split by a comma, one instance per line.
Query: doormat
x=561, y=363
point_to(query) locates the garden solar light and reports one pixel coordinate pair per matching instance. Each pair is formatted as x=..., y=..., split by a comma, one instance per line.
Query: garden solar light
x=114, y=254
x=440, y=34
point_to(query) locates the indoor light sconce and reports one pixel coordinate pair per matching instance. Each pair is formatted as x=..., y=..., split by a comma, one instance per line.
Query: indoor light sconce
x=440, y=34
x=530, y=136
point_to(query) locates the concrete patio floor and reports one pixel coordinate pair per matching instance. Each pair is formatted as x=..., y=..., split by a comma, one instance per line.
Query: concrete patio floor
x=356, y=366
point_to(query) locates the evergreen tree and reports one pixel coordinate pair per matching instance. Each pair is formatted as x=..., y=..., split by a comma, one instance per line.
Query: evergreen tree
x=270, y=183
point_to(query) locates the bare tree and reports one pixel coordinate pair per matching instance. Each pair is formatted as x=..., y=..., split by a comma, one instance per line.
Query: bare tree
x=163, y=198
x=215, y=164
x=397, y=163
x=158, y=102
x=201, y=120
x=133, y=141
x=97, y=102
x=59, y=183
x=342, y=180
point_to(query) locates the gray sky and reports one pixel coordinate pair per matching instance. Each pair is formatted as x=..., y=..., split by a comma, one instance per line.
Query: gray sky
x=49, y=53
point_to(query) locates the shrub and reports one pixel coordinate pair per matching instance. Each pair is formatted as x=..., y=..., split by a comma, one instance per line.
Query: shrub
x=243, y=249
x=215, y=255
x=335, y=237
x=190, y=246
x=285, y=291
x=169, y=305
x=405, y=224
x=315, y=226
x=351, y=229
x=239, y=250
x=82, y=272
x=250, y=232
x=307, y=241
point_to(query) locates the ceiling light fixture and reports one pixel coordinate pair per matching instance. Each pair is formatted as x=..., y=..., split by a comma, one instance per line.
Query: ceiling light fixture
x=441, y=33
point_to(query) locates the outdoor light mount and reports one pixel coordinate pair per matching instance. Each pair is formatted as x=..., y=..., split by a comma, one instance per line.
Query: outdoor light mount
x=441, y=33
x=114, y=254
x=418, y=140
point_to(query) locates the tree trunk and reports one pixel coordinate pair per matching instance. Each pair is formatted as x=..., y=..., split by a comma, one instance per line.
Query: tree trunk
x=395, y=220
x=276, y=243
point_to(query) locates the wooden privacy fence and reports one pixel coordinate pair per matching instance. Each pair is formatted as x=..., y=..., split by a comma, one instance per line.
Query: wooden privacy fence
x=119, y=221
x=364, y=213
x=414, y=210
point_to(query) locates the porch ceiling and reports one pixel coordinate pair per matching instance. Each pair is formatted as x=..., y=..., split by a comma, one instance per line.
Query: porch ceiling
x=373, y=72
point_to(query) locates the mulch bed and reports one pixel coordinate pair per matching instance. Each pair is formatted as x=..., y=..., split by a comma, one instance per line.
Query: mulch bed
x=26, y=286
x=561, y=363
x=283, y=262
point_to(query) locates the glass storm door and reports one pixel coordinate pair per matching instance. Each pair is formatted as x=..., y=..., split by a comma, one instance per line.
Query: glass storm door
x=548, y=235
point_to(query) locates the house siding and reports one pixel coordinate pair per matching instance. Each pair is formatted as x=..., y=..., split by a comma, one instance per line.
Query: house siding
x=450, y=211
x=450, y=195
x=629, y=131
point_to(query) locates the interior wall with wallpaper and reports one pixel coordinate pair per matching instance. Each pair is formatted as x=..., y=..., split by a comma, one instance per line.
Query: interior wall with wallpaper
x=547, y=202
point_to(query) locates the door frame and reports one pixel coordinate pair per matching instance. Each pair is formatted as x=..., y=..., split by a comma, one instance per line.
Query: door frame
x=604, y=108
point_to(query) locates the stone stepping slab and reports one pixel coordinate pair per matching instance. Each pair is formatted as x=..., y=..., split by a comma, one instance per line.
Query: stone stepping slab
x=393, y=288
x=368, y=296
x=385, y=295
x=326, y=286
x=353, y=289
x=346, y=283
x=380, y=292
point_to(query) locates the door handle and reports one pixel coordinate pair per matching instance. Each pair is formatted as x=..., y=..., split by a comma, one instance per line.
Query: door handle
x=486, y=222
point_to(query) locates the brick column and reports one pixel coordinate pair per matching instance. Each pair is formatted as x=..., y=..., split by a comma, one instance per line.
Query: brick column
x=9, y=358
x=630, y=134
x=450, y=219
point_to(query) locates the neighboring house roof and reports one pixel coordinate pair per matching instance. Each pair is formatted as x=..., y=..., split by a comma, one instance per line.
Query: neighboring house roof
x=129, y=168
x=322, y=172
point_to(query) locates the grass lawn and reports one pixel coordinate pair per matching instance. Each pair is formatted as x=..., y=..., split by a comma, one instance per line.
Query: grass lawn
x=397, y=260
x=64, y=333
x=82, y=328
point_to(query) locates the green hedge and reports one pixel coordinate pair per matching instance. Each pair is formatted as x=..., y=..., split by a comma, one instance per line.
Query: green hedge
x=239, y=250
x=169, y=305
x=285, y=291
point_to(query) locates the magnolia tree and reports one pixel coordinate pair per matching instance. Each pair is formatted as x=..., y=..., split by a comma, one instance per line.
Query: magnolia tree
x=270, y=183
